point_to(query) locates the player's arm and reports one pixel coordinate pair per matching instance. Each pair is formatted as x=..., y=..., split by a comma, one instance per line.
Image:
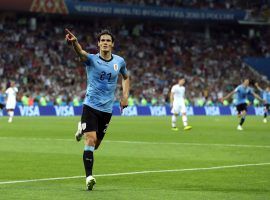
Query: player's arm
x=228, y=95
x=125, y=86
x=258, y=87
x=72, y=40
x=171, y=98
x=257, y=96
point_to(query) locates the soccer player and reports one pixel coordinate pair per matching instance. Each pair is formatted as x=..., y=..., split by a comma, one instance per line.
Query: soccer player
x=2, y=101
x=241, y=93
x=102, y=71
x=177, y=99
x=266, y=98
x=11, y=93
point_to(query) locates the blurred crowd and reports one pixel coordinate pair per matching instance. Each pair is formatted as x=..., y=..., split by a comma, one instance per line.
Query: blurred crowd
x=35, y=55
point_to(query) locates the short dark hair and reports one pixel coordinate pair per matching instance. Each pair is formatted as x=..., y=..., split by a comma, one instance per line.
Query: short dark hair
x=252, y=82
x=105, y=32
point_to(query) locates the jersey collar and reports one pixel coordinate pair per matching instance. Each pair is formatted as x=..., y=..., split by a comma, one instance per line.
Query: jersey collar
x=104, y=59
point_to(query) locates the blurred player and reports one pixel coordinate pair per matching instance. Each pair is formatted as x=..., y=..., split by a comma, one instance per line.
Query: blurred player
x=241, y=93
x=177, y=99
x=2, y=101
x=266, y=98
x=102, y=73
x=11, y=93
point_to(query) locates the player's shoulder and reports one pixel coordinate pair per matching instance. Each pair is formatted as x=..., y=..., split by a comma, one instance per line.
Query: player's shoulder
x=119, y=58
x=92, y=56
x=239, y=87
x=174, y=87
x=8, y=89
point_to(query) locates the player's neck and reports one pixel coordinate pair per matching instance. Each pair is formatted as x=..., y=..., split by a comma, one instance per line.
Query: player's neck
x=106, y=55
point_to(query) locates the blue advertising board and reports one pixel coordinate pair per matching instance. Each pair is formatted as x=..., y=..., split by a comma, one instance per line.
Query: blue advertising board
x=131, y=111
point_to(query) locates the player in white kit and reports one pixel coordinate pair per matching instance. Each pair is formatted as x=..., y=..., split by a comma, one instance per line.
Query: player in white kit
x=177, y=99
x=11, y=93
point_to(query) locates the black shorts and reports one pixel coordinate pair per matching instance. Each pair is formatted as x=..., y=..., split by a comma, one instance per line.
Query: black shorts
x=2, y=106
x=241, y=107
x=267, y=106
x=95, y=120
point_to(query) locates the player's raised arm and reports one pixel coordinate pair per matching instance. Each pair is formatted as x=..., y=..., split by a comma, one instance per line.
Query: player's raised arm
x=258, y=87
x=72, y=40
x=257, y=96
x=125, y=86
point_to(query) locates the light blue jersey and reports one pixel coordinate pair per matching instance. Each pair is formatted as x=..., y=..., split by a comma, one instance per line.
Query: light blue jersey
x=2, y=98
x=266, y=96
x=241, y=94
x=102, y=79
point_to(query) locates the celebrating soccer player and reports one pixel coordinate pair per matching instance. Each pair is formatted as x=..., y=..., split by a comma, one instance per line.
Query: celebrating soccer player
x=102, y=71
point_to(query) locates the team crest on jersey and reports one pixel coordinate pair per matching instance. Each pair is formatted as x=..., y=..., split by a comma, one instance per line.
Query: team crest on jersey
x=115, y=67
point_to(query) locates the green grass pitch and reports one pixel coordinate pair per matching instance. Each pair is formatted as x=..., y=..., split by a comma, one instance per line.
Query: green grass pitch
x=140, y=158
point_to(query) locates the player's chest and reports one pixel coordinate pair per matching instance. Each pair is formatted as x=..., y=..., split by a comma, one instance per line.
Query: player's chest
x=106, y=70
x=179, y=90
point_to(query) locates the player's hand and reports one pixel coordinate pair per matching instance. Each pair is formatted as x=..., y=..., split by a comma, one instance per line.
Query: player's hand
x=123, y=104
x=257, y=84
x=70, y=37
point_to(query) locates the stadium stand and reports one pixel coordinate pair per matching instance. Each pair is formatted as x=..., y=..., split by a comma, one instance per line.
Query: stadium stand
x=37, y=57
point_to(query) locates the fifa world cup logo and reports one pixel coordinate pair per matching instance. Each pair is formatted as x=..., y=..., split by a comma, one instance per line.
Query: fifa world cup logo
x=49, y=6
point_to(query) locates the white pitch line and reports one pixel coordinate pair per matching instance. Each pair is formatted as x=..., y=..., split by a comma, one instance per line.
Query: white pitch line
x=143, y=142
x=137, y=172
x=183, y=143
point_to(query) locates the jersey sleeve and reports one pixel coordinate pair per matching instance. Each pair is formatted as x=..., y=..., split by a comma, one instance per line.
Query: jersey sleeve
x=89, y=60
x=237, y=88
x=123, y=69
x=173, y=89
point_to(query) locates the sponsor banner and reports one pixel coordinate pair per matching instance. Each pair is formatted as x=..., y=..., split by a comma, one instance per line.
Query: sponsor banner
x=123, y=10
x=129, y=111
x=259, y=110
x=212, y=110
x=66, y=111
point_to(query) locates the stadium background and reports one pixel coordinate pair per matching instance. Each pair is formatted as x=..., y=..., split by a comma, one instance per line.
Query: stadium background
x=215, y=44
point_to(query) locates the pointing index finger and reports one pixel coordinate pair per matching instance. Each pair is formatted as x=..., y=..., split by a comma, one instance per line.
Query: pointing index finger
x=68, y=32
